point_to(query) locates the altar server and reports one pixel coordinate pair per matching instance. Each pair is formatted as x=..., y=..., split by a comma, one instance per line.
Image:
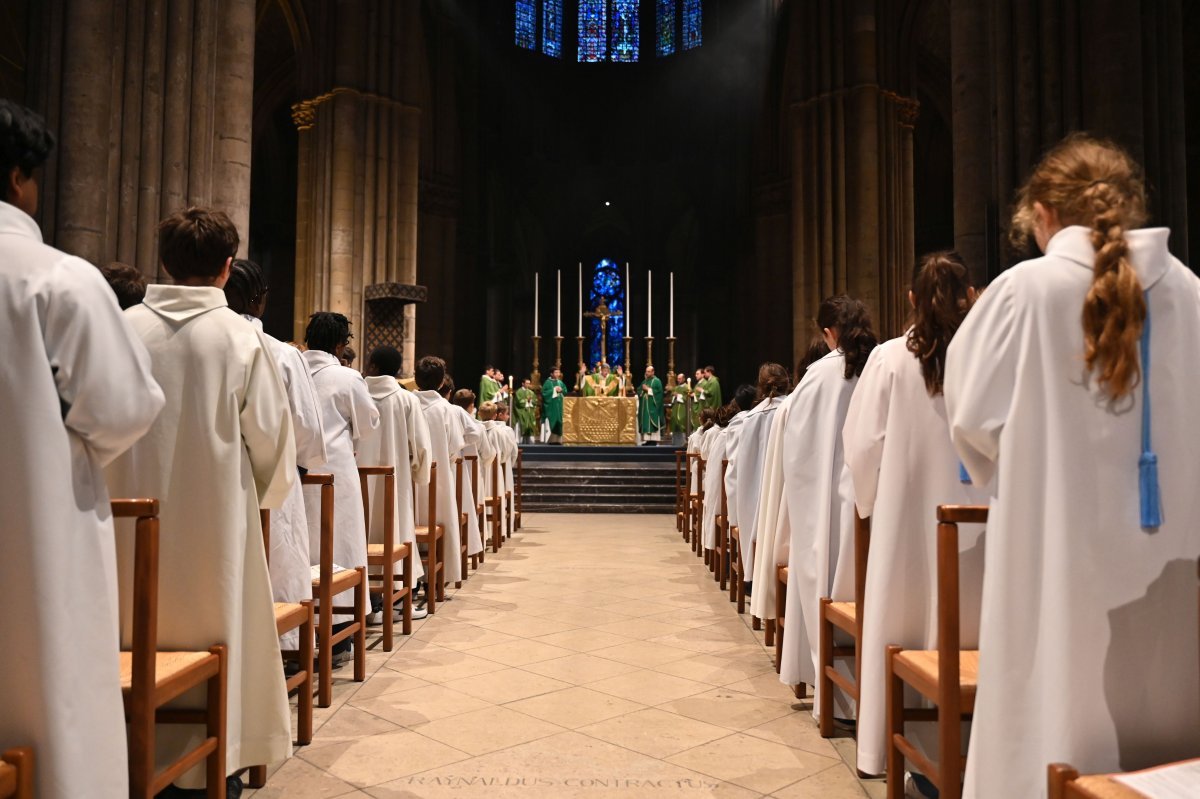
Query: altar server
x=1071, y=376
x=401, y=441
x=817, y=487
x=222, y=449
x=445, y=445
x=553, y=391
x=901, y=461
x=527, y=411
x=476, y=443
x=347, y=414
x=714, y=454
x=75, y=394
x=291, y=578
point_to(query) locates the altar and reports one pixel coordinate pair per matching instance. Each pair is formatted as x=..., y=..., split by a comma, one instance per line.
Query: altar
x=599, y=421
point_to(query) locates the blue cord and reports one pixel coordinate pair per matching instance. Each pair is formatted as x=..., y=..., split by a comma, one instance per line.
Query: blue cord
x=1148, y=490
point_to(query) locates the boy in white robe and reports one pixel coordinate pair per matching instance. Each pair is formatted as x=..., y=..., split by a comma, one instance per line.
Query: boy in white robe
x=445, y=442
x=504, y=445
x=402, y=442
x=75, y=394
x=222, y=449
x=475, y=443
x=347, y=414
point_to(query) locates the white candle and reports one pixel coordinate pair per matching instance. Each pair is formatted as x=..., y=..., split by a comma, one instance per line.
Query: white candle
x=535, y=304
x=558, y=307
x=671, y=328
x=581, y=299
x=649, y=304
x=628, y=320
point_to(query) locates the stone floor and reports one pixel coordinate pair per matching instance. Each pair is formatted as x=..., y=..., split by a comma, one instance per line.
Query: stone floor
x=593, y=656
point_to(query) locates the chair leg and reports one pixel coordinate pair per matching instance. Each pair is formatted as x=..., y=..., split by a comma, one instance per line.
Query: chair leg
x=950, y=775
x=755, y=623
x=215, y=724
x=360, y=616
x=387, y=585
x=256, y=777
x=825, y=661
x=895, y=726
x=324, y=658
x=768, y=632
x=410, y=565
x=304, y=700
x=1059, y=775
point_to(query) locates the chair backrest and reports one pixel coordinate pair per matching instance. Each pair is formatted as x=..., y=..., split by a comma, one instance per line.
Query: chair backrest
x=949, y=517
x=473, y=463
x=862, y=548
x=145, y=607
x=388, y=473
x=264, y=519
x=724, y=496
x=16, y=773
x=325, y=481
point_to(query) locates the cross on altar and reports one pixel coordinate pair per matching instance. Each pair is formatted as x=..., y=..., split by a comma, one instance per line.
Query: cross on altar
x=603, y=314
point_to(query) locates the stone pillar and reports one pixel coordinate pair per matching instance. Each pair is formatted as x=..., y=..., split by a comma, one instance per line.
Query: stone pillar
x=973, y=155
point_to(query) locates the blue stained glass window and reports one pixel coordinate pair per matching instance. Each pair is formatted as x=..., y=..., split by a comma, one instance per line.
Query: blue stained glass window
x=665, y=27
x=607, y=286
x=526, y=23
x=552, y=15
x=625, y=32
x=593, y=30
x=692, y=19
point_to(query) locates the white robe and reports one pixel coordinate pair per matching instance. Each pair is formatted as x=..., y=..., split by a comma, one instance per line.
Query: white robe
x=222, y=448
x=743, y=482
x=446, y=442
x=898, y=450
x=766, y=543
x=504, y=443
x=291, y=577
x=347, y=414
x=400, y=441
x=694, y=442
x=76, y=392
x=1088, y=635
x=714, y=455
x=821, y=511
x=475, y=442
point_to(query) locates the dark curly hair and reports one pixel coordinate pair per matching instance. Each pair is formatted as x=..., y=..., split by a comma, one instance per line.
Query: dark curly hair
x=25, y=143
x=246, y=285
x=326, y=331
x=851, y=320
x=941, y=292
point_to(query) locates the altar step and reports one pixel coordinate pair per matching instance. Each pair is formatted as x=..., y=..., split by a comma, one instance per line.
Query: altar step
x=642, y=486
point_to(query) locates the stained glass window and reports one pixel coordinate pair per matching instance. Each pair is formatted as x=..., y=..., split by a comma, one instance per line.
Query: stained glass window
x=552, y=15
x=692, y=19
x=625, y=32
x=526, y=23
x=665, y=27
x=593, y=30
x=607, y=287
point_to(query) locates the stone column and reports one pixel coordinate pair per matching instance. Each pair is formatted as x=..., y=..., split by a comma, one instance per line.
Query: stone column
x=971, y=125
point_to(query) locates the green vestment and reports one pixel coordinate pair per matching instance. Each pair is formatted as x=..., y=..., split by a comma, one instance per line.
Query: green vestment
x=488, y=388
x=526, y=411
x=713, y=389
x=650, y=406
x=679, y=419
x=552, y=404
x=608, y=386
x=588, y=386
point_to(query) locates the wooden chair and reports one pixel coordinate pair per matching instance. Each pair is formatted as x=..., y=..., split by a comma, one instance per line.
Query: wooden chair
x=509, y=513
x=471, y=461
x=697, y=539
x=16, y=773
x=681, y=487
x=722, y=550
x=329, y=585
x=492, y=509
x=690, y=496
x=946, y=676
x=433, y=536
x=150, y=678
x=847, y=617
x=385, y=556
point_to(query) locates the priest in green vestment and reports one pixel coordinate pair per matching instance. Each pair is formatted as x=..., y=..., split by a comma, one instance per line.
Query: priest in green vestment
x=650, y=407
x=489, y=386
x=589, y=385
x=527, y=412
x=679, y=399
x=712, y=389
x=607, y=384
x=553, y=391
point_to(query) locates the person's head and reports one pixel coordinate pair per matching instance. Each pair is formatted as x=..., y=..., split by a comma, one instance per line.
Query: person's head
x=680, y=379
x=128, y=283
x=941, y=295
x=384, y=361
x=489, y=370
x=1094, y=183
x=502, y=412
x=620, y=369
x=818, y=348
x=429, y=374
x=556, y=373
x=598, y=365
x=746, y=397
x=25, y=144
x=487, y=411
x=846, y=325
x=348, y=355
x=726, y=413
x=328, y=331
x=465, y=399
x=709, y=371
x=246, y=289
x=699, y=375
x=649, y=372
x=773, y=381
x=197, y=246
x=447, y=389
x=708, y=417
x=604, y=368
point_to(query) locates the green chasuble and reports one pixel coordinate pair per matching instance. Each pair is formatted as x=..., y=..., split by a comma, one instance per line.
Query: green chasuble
x=679, y=419
x=488, y=388
x=650, y=406
x=714, y=392
x=588, y=386
x=526, y=411
x=608, y=386
x=552, y=404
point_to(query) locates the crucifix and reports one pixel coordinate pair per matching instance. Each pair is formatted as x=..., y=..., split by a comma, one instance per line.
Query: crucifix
x=603, y=314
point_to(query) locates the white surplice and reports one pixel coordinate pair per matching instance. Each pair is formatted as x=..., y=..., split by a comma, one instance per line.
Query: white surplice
x=766, y=544
x=76, y=392
x=446, y=442
x=820, y=501
x=347, y=414
x=504, y=444
x=402, y=442
x=901, y=461
x=291, y=577
x=221, y=449
x=1088, y=634
x=743, y=481
x=694, y=442
x=478, y=443
x=714, y=455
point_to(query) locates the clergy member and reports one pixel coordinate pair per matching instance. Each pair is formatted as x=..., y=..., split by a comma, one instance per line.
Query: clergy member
x=650, y=406
x=76, y=393
x=489, y=386
x=527, y=413
x=607, y=384
x=712, y=388
x=402, y=442
x=553, y=391
x=222, y=449
x=679, y=408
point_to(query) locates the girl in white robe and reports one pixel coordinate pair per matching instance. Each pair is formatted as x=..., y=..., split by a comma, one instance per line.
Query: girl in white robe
x=897, y=447
x=817, y=489
x=347, y=413
x=446, y=442
x=75, y=394
x=1088, y=635
x=714, y=454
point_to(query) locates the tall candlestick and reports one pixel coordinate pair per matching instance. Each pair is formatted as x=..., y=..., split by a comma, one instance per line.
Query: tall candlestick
x=558, y=307
x=649, y=304
x=535, y=304
x=671, y=327
x=581, y=300
x=628, y=319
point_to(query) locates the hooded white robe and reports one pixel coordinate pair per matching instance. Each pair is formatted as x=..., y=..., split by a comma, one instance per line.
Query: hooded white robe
x=446, y=442
x=400, y=441
x=76, y=393
x=714, y=454
x=475, y=442
x=901, y=461
x=821, y=512
x=347, y=414
x=504, y=444
x=1088, y=634
x=743, y=482
x=768, y=541
x=222, y=448
x=694, y=442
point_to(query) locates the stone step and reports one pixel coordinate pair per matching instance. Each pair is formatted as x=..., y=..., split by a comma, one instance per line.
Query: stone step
x=584, y=507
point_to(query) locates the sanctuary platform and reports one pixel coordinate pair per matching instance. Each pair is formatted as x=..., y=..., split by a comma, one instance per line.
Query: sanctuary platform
x=559, y=479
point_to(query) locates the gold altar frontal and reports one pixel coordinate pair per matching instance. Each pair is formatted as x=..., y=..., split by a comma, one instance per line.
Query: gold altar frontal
x=600, y=421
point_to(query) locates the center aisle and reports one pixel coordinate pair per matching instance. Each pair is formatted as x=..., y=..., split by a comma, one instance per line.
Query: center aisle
x=593, y=656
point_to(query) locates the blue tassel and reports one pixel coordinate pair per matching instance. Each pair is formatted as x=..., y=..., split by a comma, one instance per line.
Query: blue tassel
x=964, y=477
x=1151, y=502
